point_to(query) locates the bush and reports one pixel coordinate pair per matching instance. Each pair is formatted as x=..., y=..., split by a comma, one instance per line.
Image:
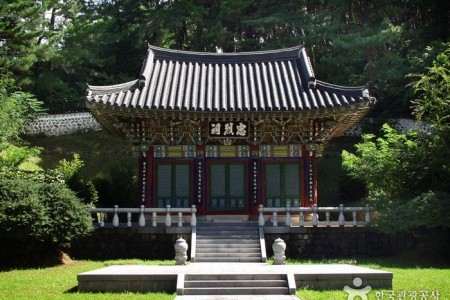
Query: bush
x=429, y=210
x=36, y=212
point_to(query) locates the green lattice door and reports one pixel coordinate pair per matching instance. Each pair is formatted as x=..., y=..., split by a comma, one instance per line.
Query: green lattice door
x=173, y=185
x=227, y=186
x=282, y=184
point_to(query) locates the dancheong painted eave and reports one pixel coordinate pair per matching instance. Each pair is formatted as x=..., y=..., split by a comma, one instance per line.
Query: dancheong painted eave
x=261, y=81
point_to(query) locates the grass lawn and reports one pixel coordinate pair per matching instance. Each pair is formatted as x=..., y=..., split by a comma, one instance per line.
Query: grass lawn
x=409, y=278
x=60, y=282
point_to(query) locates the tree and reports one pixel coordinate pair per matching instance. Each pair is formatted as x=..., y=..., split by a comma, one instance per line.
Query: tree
x=432, y=90
x=16, y=110
x=387, y=165
x=407, y=174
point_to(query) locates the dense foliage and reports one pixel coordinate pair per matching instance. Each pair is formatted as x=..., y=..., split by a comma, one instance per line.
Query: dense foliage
x=53, y=48
x=407, y=174
x=34, y=212
x=37, y=208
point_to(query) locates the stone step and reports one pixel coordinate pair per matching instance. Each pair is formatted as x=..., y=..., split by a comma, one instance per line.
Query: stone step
x=226, y=236
x=228, y=259
x=224, y=277
x=220, y=254
x=235, y=283
x=227, y=241
x=228, y=249
x=237, y=291
x=227, y=232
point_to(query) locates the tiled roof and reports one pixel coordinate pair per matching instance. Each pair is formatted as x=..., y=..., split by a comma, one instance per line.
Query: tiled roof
x=279, y=80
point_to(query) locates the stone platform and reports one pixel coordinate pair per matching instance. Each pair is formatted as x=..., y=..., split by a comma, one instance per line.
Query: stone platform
x=146, y=278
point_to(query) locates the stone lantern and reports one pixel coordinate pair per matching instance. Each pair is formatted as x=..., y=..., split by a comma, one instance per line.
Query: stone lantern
x=181, y=248
x=279, y=246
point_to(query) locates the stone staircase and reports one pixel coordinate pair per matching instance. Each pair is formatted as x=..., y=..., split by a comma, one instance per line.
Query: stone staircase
x=236, y=284
x=228, y=242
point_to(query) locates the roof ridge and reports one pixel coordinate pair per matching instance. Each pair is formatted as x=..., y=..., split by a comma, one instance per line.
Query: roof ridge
x=112, y=87
x=226, y=57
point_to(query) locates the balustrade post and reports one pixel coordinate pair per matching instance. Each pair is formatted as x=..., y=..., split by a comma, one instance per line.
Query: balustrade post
x=168, y=217
x=261, y=220
x=116, y=216
x=302, y=219
x=128, y=219
x=193, y=217
x=288, y=215
x=315, y=219
x=327, y=217
x=275, y=219
x=367, y=218
x=154, y=219
x=341, y=215
x=141, y=216
x=355, y=223
x=102, y=219
x=180, y=219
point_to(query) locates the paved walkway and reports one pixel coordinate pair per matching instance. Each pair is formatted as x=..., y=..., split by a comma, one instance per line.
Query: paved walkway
x=242, y=297
x=236, y=268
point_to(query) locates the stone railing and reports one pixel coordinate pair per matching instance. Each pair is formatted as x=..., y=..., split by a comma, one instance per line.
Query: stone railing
x=360, y=216
x=156, y=215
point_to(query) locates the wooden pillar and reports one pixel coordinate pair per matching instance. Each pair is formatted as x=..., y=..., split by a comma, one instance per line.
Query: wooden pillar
x=199, y=196
x=145, y=177
x=254, y=180
x=309, y=178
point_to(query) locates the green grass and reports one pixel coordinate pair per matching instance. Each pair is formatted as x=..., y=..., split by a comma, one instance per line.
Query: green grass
x=60, y=282
x=408, y=277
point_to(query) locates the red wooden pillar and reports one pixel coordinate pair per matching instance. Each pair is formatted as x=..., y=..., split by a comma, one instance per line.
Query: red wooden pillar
x=309, y=178
x=254, y=179
x=200, y=180
x=145, y=177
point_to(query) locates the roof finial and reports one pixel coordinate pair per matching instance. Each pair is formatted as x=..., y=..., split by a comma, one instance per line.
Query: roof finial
x=219, y=49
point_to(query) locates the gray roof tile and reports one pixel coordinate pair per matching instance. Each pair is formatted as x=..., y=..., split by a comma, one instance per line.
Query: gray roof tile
x=276, y=80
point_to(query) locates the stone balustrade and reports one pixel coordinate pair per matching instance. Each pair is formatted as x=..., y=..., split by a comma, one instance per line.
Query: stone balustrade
x=155, y=214
x=360, y=216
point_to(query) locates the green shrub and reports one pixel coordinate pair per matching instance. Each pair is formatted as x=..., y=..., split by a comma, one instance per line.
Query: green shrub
x=41, y=212
x=70, y=171
x=429, y=210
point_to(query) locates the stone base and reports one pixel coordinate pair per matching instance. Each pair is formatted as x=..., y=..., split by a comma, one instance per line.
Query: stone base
x=139, y=278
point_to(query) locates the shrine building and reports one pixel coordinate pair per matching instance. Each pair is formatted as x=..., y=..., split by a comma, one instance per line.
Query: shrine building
x=228, y=131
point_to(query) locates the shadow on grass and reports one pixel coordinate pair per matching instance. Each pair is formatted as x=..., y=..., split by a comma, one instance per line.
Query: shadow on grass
x=405, y=261
x=72, y=290
x=33, y=261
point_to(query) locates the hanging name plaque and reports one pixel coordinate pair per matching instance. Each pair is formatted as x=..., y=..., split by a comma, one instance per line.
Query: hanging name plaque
x=228, y=129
